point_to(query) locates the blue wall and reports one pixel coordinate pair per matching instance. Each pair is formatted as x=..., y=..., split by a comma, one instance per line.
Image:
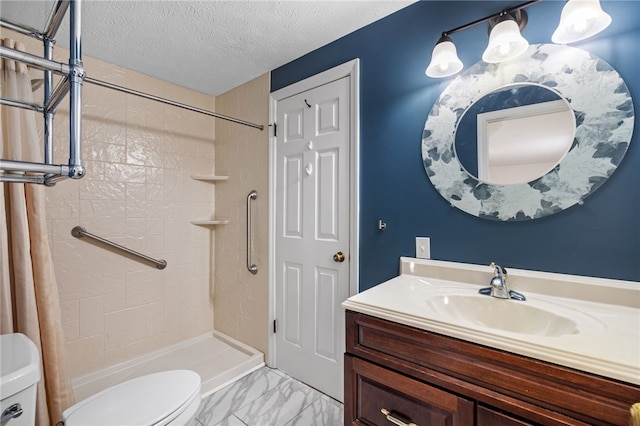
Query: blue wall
x=600, y=238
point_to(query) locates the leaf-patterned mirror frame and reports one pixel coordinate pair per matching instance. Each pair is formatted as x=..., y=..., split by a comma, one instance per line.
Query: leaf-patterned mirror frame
x=604, y=114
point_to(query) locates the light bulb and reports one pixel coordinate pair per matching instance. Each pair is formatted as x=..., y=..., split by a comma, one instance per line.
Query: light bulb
x=504, y=49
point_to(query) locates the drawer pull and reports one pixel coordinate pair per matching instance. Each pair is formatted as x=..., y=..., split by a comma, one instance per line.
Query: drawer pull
x=395, y=420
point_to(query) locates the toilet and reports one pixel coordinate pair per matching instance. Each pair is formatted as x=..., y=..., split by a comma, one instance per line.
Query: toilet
x=165, y=398
x=19, y=377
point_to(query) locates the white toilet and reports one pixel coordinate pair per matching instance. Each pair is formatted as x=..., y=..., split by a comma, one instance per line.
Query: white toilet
x=165, y=398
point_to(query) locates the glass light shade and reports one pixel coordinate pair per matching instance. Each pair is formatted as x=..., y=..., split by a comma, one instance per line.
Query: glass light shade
x=444, y=60
x=580, y=19
x=505, y=42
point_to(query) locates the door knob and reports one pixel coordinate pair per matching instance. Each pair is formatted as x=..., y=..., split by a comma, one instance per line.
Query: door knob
x=338, y=257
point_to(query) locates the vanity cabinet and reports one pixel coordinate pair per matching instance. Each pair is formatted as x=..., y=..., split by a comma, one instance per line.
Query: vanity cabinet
x=425, y=378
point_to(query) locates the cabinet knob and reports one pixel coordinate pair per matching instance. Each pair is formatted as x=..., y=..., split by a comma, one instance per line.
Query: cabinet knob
x=395, y=418
x=634, y=419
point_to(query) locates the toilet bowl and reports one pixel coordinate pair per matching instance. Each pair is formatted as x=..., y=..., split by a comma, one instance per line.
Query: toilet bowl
x=165, y=398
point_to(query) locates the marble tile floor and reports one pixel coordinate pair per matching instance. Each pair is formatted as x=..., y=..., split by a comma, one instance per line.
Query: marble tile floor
x=268, y=397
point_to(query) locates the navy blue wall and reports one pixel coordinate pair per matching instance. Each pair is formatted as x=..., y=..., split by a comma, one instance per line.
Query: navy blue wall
x=600, y=238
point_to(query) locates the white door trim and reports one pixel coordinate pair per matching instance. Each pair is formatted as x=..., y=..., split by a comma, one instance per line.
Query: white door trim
x=349, y=69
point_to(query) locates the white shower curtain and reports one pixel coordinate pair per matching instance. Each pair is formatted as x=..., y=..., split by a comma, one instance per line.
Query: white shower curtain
x=29, y=293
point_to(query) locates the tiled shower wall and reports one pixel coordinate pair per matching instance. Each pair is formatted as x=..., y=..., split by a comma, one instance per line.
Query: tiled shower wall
x=241, y=299
x=137, y=192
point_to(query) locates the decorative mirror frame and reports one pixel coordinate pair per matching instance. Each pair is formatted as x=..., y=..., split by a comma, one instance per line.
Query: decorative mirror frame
x=604, y=126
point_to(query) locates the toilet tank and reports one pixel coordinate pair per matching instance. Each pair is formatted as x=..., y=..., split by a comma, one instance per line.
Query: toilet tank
x=19, y=376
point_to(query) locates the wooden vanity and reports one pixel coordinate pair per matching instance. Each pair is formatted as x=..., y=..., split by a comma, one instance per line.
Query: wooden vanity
x=425, y=348
x=426, y=378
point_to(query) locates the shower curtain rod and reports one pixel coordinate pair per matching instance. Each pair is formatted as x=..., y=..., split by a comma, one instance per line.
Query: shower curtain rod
x=170, y=102
x=63, y=69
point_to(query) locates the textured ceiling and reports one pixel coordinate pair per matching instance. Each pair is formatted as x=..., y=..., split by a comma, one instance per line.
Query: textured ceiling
x=209, y=46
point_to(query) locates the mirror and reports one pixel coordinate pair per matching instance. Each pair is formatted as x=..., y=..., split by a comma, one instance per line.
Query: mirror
x=602, y=112
x=515, y=134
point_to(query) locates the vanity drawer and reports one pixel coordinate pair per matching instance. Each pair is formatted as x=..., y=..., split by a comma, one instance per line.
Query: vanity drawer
x=372, y=389
x=489, y=417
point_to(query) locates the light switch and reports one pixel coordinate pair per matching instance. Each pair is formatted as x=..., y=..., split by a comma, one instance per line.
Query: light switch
x=423, y=247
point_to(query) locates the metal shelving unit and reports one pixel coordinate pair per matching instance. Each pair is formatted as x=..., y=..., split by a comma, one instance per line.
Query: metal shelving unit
x=74, y=76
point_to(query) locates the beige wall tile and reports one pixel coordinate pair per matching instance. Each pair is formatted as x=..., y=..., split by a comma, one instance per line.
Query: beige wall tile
x=85, y=354
x=114, y=356
x=241, y=300
x=71, y=330
x=114, y=302
x=115, y=330
x=91, y=316
x=70, y=310
x=154, y=319
x=136, y=349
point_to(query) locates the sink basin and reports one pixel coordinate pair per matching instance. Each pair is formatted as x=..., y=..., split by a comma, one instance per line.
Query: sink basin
x=589, y=324
x=531, y=318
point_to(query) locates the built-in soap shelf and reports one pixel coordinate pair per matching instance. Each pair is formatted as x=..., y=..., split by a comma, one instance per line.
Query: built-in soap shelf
x=209, y=178
x=210, y=222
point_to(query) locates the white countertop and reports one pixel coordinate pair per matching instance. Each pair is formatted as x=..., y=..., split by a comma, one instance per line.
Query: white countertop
x=606, y=342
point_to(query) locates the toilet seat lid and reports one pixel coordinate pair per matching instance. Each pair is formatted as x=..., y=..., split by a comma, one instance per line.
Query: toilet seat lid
x=145, y=400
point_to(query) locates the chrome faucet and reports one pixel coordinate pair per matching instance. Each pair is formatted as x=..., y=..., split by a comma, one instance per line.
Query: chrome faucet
x=499, y=287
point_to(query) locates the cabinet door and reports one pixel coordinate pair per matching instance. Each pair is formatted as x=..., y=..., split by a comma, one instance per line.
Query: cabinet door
x=489, y=417
x=381, y=397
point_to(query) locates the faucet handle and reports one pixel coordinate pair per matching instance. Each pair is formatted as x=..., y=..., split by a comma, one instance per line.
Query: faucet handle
x=499, y=271
x=499, y=287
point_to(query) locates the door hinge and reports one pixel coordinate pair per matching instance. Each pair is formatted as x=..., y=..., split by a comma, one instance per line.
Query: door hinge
x=275, y=326
x=275, y=129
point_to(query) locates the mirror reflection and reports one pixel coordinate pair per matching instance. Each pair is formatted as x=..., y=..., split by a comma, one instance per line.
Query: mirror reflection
x=514, y=134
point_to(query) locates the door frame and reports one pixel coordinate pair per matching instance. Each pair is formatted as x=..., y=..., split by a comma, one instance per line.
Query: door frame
x=349, y=69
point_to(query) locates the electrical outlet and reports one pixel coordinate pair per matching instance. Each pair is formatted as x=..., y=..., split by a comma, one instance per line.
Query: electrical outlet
x=423, y=247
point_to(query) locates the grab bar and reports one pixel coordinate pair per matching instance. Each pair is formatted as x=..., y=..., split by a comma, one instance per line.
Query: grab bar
x=251, y=267
x=79, y=232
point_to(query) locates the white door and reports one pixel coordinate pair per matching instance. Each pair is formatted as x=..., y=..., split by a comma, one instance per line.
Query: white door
x=312, y=234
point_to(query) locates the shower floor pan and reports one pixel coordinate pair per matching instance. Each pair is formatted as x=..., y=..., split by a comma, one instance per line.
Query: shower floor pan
x=218, y=359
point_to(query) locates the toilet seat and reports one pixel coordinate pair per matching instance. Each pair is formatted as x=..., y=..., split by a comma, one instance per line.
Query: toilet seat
x=155, y=399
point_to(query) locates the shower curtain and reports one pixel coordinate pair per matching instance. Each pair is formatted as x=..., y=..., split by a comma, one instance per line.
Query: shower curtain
x=28, y=288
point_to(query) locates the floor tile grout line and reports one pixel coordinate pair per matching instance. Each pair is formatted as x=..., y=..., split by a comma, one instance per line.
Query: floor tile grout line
x=284, y=377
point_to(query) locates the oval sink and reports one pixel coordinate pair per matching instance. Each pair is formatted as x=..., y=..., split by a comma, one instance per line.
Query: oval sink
x=508, y=315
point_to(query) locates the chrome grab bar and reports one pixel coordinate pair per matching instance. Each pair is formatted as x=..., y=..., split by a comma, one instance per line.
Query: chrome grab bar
x=79, y=232
x=250, y=266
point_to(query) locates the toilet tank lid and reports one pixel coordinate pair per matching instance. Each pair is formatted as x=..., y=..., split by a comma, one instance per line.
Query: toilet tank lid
x=19, y=364
x=145, y=400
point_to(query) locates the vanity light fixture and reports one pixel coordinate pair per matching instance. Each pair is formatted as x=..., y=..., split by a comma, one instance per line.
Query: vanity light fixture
x=579, y=20
x=505, y=40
